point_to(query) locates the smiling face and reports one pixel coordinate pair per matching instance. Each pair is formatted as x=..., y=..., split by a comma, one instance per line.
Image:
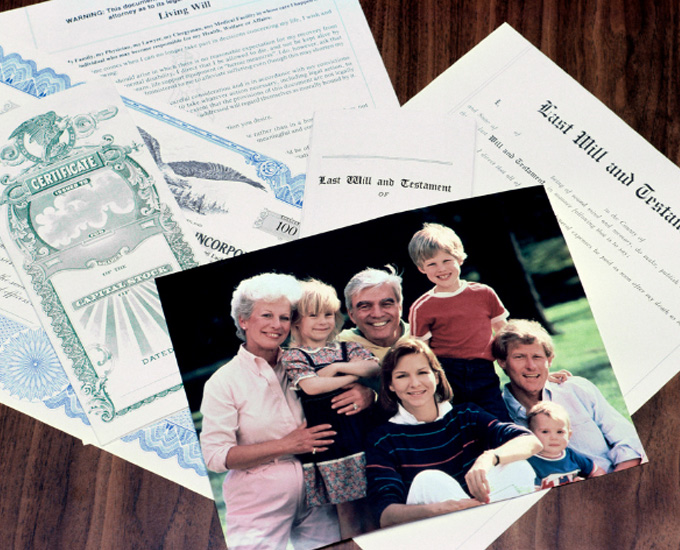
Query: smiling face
x=377, y=314
x=414, y=383
x=443, y=270
x=314, y=329
x=527, y=366
x=267, y=327
x=553, y=433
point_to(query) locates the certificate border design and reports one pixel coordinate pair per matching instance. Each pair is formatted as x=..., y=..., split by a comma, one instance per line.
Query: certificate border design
x=286, y=187
x=40, y=256
x=172, y=438
x=23, y=75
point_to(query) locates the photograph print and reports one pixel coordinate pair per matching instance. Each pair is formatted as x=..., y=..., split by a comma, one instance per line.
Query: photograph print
x=402, y=368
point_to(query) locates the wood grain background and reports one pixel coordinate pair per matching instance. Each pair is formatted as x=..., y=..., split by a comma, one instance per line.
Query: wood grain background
x=56, y=493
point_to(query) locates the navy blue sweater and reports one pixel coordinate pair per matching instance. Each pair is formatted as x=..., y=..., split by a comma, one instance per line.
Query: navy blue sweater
x=396, y=453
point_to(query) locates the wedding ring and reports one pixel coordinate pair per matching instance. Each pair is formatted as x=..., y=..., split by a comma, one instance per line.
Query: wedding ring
x=313, y=450
x=355, y=406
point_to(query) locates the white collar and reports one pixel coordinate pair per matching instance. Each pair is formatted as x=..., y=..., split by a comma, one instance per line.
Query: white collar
x=564, y=453
x=461, y=288
x=405, y=417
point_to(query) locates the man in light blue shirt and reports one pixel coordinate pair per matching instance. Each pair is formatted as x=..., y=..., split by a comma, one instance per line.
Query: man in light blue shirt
x=524, y=350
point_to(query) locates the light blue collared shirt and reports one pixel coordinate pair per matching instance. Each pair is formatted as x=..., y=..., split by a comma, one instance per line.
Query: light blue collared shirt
x=599, y=430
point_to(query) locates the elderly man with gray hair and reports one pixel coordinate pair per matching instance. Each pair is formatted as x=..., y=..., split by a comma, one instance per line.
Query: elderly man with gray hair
x=374, y=303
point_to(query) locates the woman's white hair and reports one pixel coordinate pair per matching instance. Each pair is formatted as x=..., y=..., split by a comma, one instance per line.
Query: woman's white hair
x=268, y=287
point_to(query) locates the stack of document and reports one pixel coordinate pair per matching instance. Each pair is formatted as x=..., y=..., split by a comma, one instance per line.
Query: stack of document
x=140, y=140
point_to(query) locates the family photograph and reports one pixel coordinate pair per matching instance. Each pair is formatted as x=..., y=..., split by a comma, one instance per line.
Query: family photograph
x=403, y=368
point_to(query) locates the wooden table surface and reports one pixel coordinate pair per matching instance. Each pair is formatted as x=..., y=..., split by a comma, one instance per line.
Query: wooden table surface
x=56, y=493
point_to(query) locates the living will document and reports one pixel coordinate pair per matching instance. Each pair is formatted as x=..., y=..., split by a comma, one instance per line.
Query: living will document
x=258, y=67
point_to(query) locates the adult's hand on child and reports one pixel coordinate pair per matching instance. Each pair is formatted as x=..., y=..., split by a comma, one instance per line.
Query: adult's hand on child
x=306, y=440
x=355, y=399
x=559, y=377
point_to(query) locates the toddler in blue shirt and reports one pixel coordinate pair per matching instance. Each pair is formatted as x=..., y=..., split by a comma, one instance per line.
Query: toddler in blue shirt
x=557, y=464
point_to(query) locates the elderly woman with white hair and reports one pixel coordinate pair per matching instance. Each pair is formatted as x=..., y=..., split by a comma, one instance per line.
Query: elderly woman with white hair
x=253, y=426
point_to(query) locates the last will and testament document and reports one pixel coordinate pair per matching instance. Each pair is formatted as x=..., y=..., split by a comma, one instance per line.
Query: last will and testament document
x=258, y=67
x=617, y=197
x=367, y=163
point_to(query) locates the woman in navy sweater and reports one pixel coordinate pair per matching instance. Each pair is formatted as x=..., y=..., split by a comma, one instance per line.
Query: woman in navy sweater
x=432, y=457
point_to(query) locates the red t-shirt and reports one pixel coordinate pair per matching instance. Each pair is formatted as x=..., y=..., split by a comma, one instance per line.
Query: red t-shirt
x=458, y=324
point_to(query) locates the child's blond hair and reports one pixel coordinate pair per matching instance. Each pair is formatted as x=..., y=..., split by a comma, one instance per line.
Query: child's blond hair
x=317, y=297
x=551, y=410
x=432, y=238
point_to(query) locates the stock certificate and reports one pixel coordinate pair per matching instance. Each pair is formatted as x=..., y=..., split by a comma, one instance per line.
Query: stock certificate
x=32, y=378
x=257, y=216
x=88, y=229
x=260, y=67
x=236, y=195
x=363, y=164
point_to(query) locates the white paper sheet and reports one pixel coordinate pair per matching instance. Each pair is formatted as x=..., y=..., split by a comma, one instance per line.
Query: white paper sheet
x=368, y=163
x=472, y=529
x=261, y=67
